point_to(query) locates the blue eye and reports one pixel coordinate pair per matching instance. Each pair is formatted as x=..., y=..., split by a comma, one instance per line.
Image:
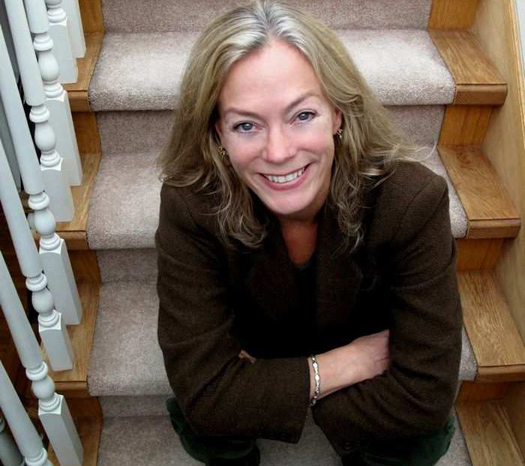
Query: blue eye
x=305, y=116
x=244, y=127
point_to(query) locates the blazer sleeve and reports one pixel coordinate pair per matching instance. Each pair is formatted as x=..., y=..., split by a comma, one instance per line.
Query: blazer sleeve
x=219, y=393
x=415, y=395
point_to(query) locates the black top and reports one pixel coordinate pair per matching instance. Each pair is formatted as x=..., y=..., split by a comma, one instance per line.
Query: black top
x=305, y=283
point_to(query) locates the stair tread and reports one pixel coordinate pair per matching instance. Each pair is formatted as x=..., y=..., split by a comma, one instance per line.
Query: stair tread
x=166, y=15
x=142, y=71
x=125, y=202
x=155, y=442
x=126, y=358
x=488, y=319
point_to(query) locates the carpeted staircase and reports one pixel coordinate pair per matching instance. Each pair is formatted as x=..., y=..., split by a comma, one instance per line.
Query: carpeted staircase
x=133, y=92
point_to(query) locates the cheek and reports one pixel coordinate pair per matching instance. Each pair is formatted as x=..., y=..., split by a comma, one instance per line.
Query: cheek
x=319, y=142
x=241, y=157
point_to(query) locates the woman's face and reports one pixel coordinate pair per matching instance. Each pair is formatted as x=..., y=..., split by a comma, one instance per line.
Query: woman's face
x=278, y=129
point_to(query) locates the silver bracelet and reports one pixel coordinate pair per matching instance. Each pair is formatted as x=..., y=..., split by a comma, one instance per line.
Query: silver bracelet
x=317, y=378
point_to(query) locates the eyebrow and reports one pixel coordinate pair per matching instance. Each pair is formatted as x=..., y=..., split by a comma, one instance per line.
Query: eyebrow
x=291, y=105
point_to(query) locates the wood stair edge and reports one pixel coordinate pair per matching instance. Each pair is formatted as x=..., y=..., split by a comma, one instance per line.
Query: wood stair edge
x=489, y=208
x=478, y=81
x=73, y=383
x=488, y=433
x=78, y=92
x=494, y=337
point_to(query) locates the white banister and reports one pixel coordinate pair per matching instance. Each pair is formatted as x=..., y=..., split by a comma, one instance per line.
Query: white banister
x=76, y=30
x=53, y=250
x=56, y=97
x=8, y=147
x=53, y=172
x=9, y=453
x=59, y=32
x=23, y=430
x=52, y=408
x=51, y=324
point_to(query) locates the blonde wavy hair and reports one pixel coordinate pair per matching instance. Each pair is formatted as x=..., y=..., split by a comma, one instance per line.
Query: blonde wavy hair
x=365, y=156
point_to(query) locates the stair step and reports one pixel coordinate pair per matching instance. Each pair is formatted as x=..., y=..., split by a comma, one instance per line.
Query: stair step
x=78, y=92
x=488, y=433
x=478, y=81
x=490, y=210
x=125, y=202
x=154, y=442
x=133, y=132
x=166, y=15
x=496, y=342
x=142, y=71
x=126, y=358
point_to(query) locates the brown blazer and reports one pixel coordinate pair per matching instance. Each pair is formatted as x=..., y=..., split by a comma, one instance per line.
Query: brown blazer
x=215, y=301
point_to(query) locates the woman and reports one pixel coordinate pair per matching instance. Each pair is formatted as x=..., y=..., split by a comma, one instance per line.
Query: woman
x=304, y=259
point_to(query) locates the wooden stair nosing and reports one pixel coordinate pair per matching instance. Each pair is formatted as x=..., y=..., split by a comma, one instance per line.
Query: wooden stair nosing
x=81, y=336
x=489, y=208
x=478, y=81
x=78, y=92
x=74, y=232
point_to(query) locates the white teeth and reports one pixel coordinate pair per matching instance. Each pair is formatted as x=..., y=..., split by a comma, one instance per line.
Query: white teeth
x=285, y=178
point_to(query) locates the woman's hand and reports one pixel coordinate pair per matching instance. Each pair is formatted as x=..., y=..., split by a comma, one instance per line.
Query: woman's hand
x=368, y=356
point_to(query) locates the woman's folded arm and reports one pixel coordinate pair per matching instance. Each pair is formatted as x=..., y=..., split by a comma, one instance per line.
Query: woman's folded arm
x=219, y=392
x=417, y=392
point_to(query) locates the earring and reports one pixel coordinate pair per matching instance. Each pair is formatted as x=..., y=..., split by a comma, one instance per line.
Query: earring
x=339, y=133
x=223, y=152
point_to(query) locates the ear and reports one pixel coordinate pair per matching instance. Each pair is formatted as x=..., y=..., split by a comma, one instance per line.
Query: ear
x=337, y=119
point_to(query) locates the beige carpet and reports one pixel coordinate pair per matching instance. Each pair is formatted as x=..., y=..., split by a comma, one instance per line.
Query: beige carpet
x=151, y=441
x=194, y=15
x=142, y=71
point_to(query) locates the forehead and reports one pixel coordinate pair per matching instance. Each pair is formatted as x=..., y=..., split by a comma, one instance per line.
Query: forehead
x=270, y=75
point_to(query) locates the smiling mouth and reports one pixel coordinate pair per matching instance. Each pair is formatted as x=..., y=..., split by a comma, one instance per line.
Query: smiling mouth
x=281, y=179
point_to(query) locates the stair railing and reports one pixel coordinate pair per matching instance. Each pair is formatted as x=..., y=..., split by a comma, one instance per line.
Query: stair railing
x=59, y=32
x=57, y=100
x=55, y=179
x=23, y=430
x=52, y=407
x=9, y=453
x=51, y=326
x=76, y=30
x=53, y=250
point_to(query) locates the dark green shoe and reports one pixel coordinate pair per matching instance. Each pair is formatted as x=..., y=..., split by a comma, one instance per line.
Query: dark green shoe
x=251, y=459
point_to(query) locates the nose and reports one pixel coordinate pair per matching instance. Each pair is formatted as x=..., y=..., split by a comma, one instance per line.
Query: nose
x=279, y=145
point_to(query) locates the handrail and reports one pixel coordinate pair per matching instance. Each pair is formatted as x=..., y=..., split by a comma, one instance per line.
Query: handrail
x=53, y=251
x=53, y=410
x=55, y=181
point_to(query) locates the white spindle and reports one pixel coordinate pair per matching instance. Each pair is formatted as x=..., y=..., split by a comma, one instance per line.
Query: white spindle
x=9, y=453
x=53, y=172
x=57, y=99
x=23, y=430
x=76, y=30
x=52, y=408
x=8, y=146
x=53, y=250
x=51, y=325
x=59, y=31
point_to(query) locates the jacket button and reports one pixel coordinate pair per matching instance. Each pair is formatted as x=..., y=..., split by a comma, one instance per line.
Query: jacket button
x=348, y=446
